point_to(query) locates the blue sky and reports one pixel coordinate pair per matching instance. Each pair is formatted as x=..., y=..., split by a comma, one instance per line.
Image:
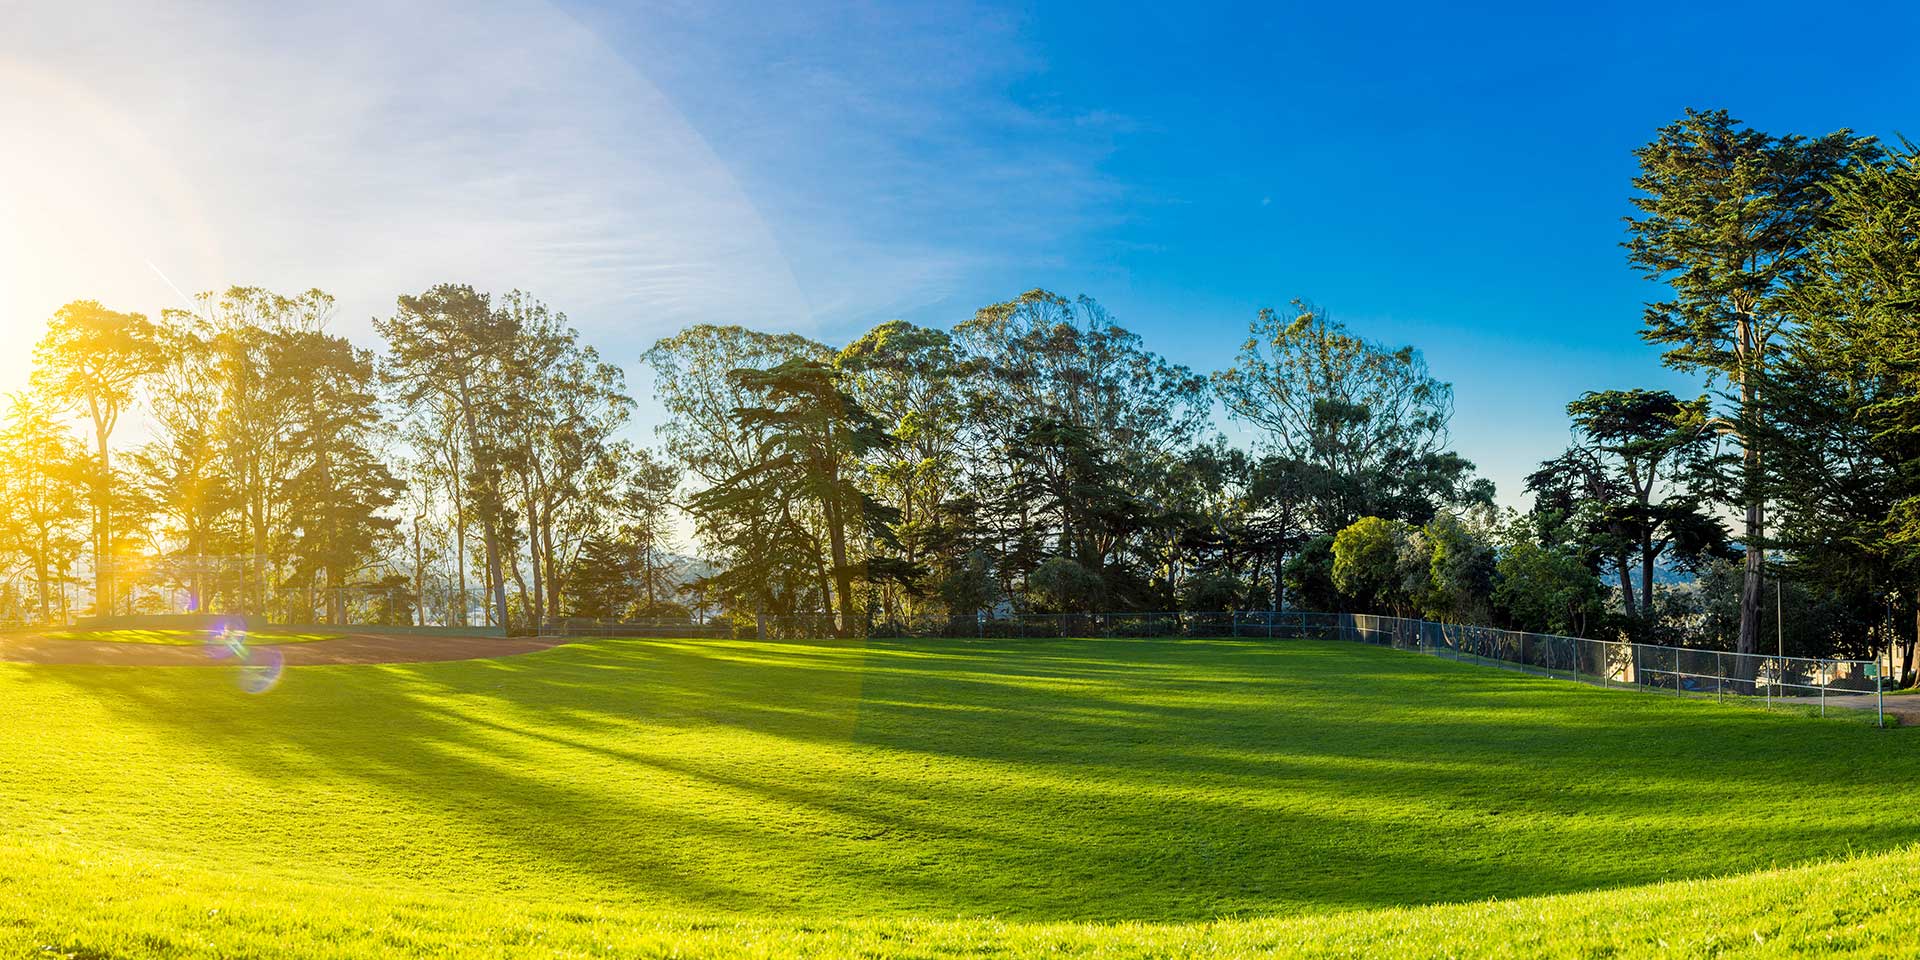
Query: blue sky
x=1447, y=177
x=1432, y=175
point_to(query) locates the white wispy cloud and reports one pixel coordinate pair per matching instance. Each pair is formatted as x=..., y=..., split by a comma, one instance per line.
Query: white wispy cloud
x=369, y=151
x=641, y=168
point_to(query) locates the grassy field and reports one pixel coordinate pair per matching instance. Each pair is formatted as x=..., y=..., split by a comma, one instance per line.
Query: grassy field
x=186, y=638
x=937, y=798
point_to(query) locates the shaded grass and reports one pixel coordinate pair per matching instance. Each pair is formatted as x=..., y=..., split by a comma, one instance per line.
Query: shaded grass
x=186, y=638
x=834, y=793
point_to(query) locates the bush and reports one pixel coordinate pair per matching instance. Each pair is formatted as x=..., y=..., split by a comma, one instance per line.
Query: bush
x=1061, y=586
x=1211, y=592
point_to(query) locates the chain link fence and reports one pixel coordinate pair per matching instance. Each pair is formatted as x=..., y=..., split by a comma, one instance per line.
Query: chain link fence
x=1761, y=679
x=1765, y=679
x=687, y=627
x=1169, y=623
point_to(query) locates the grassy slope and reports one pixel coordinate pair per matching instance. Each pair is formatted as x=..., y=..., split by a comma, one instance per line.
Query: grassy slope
x=830, y=795
x=186, y=638
x=107, y=907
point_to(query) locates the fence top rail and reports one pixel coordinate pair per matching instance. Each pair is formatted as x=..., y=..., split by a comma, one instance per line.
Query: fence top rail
x=1267, y=615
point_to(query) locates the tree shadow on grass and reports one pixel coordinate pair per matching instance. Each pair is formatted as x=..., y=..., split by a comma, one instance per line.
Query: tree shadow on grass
x=1156, y=780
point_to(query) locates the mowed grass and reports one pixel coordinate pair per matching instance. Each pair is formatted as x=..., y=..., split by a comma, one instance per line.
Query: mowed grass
x=935, y=798
x=186, y=638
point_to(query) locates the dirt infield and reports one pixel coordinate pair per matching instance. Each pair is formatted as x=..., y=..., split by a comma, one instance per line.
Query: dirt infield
x=350, y=648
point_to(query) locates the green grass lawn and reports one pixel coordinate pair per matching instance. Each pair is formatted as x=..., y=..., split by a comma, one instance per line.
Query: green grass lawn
x=937, y=798
x=186, y=638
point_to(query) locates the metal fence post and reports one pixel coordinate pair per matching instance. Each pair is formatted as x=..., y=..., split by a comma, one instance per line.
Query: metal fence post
x=1719, y=676
x=1880, y=695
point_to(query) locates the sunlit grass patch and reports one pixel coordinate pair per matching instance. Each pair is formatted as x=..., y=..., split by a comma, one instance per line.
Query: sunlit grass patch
x=1087, y=797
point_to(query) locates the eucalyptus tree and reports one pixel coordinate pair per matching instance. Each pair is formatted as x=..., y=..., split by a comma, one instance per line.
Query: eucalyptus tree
x=258, y=408
x=647, y=507
x=43, y=473
x=1282, y=497
x=1370, y=417
x=1205, y=508
x=439, y=469
x=93, y=360
x=1728, y=217
x=337, y=493
x=447, y=355
x=910, y=378
x=1051, y=382
x=182, y=463
x=563, y=409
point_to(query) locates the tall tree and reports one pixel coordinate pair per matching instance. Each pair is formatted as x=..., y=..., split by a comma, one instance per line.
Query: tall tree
x=449, y=344
x=181, y=463
x=1629, y=483
x=1370, y=416
x=43, y=473
x=1052, y=384
x=1848, y=390
x=910, y=379
x=773, y=550
x=1728, y=216
x=337, y=495
x=562, y=410
x=93, y=359
x=817, y=437
x=646, y=501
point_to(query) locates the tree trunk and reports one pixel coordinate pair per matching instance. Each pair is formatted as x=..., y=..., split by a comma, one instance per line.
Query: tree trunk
x=537, y=609
x=40, y=581
x=842, y=574
x=496, y=580
x=419, y=577
x=259, y=552
x=103, y=532
x=646, y=564
x=1626, y=589
x=459, y=541
x=1749, y=640
x=1647, y=558
x=1913, y=640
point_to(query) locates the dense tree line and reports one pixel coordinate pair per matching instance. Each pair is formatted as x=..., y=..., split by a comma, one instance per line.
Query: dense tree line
x=1036, y=457
x=1040, y=457
x=457, y=476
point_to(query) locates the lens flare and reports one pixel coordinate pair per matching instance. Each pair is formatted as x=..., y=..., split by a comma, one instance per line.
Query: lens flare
x=260, y=666
x=261, y=672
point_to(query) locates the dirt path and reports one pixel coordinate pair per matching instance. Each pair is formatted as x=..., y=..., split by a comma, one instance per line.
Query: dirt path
x=351, y=648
